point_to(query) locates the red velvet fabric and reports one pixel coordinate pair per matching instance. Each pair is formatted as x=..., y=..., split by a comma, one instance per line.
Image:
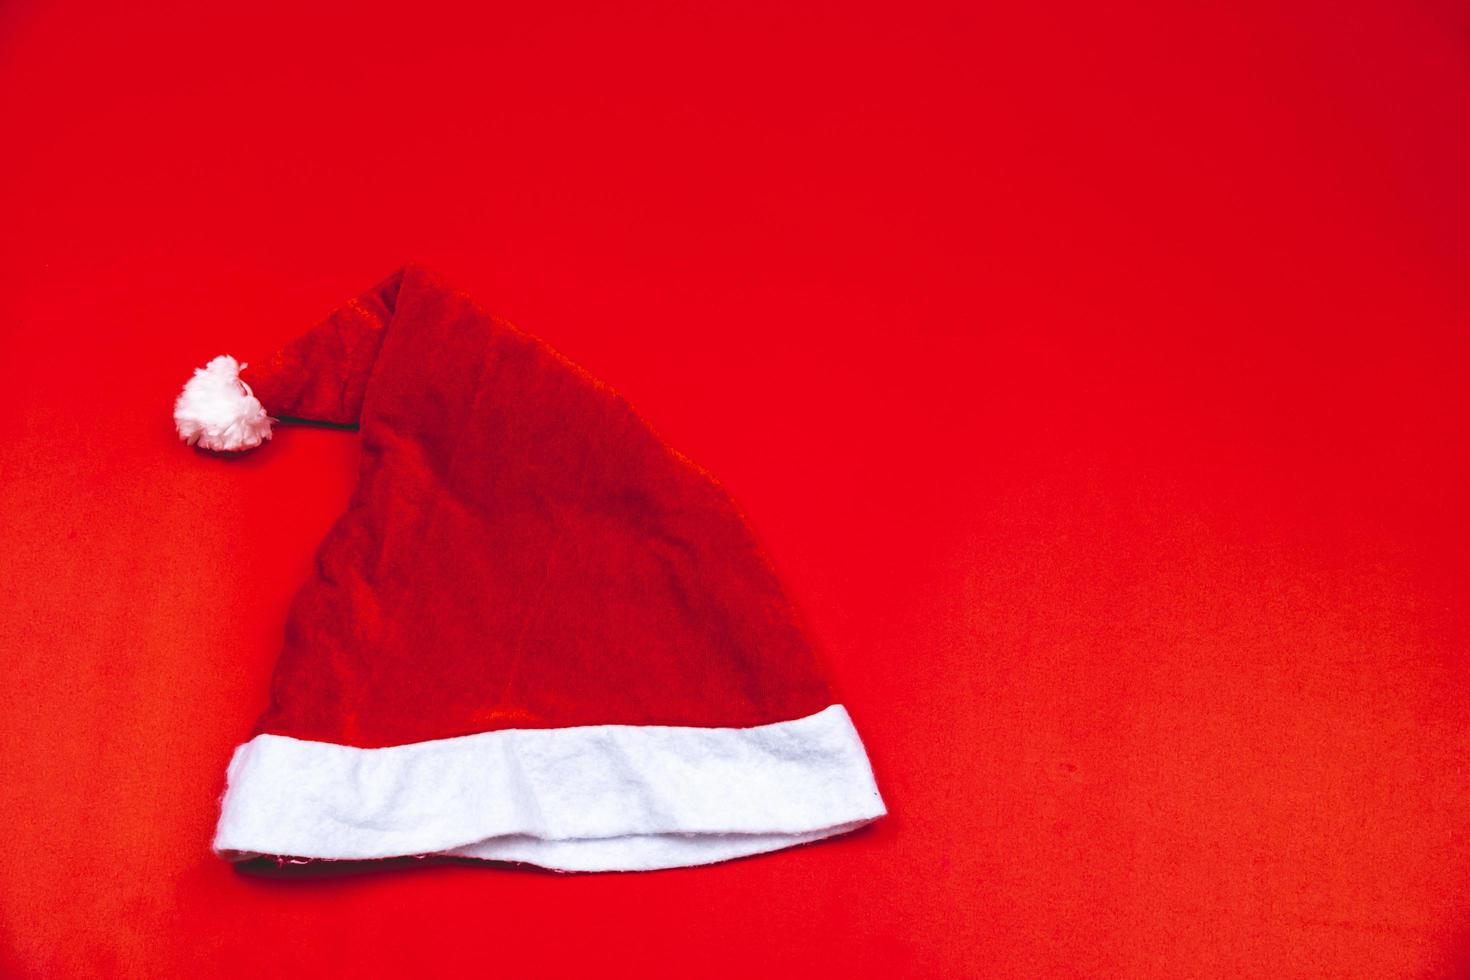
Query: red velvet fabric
x=521, y=550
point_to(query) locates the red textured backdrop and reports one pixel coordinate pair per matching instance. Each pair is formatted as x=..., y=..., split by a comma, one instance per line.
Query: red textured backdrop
x=1095, y=374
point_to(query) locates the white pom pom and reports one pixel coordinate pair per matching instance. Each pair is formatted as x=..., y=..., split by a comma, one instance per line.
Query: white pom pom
x=216, y=410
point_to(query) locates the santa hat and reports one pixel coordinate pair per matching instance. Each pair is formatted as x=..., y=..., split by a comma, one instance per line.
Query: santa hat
x=537, y=634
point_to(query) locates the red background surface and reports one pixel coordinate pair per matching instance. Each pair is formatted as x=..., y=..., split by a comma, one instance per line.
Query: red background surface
x=1095, y=375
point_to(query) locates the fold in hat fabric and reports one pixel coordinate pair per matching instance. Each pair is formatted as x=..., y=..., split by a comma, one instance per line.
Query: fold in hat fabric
x=537, y=634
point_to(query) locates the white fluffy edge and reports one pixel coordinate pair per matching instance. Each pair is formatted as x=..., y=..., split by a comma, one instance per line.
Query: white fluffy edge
x=216, y=410
x=590, y=798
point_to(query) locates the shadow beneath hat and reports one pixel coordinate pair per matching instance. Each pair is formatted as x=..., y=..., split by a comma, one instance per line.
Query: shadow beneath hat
x=316, y=869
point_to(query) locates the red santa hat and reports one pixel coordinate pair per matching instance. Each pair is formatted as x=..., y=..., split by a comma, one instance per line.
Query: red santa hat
x=537, y=634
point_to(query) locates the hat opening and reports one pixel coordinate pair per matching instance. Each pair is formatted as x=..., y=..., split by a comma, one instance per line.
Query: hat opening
x=587, y=798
